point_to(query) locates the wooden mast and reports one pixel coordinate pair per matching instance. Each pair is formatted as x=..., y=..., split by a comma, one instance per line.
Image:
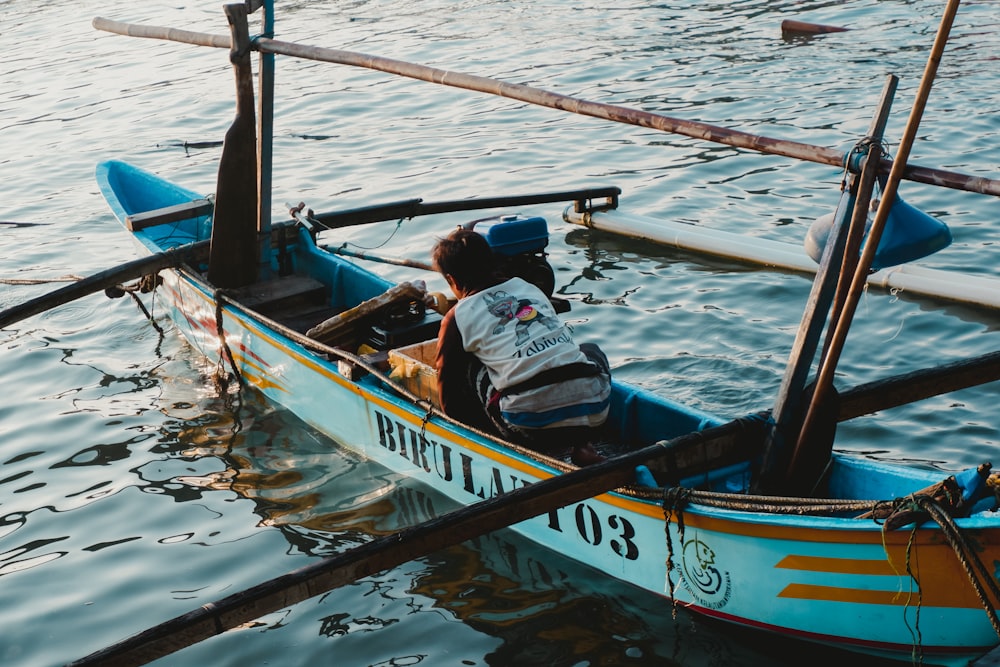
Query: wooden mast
x=265, y=122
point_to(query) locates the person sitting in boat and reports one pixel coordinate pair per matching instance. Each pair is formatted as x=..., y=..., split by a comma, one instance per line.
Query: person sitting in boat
x=507, y=363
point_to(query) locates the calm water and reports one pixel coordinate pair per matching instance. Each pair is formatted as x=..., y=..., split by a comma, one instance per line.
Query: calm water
x=130, y=493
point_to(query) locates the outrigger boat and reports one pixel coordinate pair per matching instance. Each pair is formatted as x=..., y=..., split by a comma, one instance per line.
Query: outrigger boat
x=722, y=517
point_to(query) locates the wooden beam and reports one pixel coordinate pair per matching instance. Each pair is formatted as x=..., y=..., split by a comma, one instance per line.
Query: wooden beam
x=537, y=96
x=918, y=385
x=103, y=280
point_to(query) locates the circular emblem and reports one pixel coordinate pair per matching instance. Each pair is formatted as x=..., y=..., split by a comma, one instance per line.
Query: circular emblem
x=702, y=578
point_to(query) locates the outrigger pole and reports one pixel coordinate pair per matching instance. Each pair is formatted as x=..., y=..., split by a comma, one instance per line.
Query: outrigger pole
x=539, y=97
x=408, y=544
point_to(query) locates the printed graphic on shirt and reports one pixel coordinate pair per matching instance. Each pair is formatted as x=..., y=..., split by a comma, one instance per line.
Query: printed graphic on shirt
x=509, y=309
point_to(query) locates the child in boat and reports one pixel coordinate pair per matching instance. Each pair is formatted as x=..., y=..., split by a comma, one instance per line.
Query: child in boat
x=507, y=364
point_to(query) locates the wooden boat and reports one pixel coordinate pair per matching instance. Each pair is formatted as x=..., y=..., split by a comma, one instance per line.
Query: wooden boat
x=889, y=560
x=826, y=574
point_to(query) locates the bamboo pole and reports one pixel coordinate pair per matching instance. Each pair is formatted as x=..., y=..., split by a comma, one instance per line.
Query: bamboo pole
x=103, y=280
x=824, y=381
x=539, y=97
x=392, y=550
x=381, y=259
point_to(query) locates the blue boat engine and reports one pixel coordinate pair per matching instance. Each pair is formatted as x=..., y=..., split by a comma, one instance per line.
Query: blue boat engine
x=519, y=245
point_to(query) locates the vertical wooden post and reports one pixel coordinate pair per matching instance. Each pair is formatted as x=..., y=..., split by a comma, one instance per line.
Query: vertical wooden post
x=780, y=455
x=788, y=404
x=233, y=256
x=265, y=124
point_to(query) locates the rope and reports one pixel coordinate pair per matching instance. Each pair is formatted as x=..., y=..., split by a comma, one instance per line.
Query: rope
x=234, y=400
x=970, y=561
x=674, y=500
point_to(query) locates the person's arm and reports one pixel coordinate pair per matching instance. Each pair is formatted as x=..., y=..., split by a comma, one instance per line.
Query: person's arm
x=457, y=398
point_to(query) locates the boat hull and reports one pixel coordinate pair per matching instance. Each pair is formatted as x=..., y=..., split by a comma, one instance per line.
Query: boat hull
x=835, y=580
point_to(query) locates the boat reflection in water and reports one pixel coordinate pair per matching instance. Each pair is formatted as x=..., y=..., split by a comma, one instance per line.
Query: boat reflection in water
x=543, y=608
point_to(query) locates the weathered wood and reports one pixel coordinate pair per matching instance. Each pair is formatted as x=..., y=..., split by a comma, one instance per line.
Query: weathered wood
x=781, y=460
x=103, y=280
x=261, y=295
x=392, y=550
x=341, y=328
x=918, y=385
x=775, y=462
x=161, y=216
x=824, y=380
x=233, y=258
x=537, y=96
x=791, y=26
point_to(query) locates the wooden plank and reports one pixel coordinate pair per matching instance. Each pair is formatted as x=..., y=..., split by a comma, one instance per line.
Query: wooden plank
x=161, y=216
x=343, y=326
x=262, y=294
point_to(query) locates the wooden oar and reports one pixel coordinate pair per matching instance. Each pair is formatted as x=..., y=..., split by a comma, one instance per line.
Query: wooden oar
x=392, y=550
x=824, y=380
x=103, y=280
x=544, y=98
x=233, y=258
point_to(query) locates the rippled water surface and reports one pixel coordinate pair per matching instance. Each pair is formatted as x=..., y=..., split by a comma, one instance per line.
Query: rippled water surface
x=130, y=492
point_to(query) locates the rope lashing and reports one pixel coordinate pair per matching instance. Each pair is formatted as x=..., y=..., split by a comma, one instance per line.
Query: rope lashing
x=674, y=500
x=227, y=354
x=967, y=556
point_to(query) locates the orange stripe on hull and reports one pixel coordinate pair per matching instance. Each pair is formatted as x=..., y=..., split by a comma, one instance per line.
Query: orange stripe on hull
x=851, y=595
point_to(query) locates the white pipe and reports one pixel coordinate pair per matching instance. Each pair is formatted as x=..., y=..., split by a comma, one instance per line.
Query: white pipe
x=947, y=285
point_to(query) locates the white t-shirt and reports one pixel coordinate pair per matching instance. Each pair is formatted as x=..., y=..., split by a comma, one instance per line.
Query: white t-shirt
x=515, y=332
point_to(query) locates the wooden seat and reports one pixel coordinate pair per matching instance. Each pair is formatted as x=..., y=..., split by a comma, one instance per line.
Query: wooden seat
x=161, y=216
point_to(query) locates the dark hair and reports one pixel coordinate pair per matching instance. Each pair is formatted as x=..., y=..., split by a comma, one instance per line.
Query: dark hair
x=467, y=258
